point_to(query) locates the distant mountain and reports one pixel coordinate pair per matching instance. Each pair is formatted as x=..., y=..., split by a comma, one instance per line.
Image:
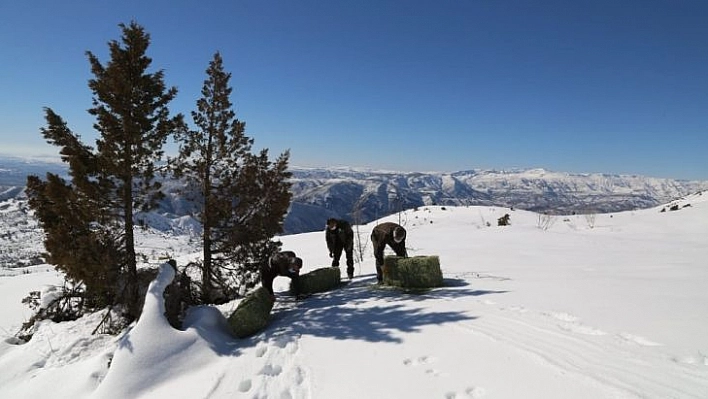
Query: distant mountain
x=364, y=195
x=14, y=172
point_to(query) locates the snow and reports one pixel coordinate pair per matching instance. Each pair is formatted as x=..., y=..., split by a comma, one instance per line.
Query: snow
x=609, y=307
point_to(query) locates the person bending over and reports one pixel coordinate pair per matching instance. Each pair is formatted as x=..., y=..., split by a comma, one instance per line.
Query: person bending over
x=390, y=234
x=284, y=263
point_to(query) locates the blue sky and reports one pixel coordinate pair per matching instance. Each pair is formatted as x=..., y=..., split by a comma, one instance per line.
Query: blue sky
x=570, y=86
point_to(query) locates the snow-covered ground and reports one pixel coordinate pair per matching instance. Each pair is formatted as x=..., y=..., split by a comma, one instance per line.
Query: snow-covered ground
x=601, y=306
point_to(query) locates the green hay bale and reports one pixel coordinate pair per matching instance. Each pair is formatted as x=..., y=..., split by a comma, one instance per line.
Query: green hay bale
x=413, y=272
x=318, y=280
x=252, y=314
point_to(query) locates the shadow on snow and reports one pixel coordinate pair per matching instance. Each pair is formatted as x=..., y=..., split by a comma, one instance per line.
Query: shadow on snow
x=366, y=311
x=361, y=310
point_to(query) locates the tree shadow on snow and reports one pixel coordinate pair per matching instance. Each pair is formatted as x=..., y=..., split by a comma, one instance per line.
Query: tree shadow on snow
x=368, y=312
x=361, y=310
x=451, y=289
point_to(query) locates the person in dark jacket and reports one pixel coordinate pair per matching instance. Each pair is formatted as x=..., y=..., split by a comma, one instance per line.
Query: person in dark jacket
x=285, y=264
x=339, y=236
x=390, y=234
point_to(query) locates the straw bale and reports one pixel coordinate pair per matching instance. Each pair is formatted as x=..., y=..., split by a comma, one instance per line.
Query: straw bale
x=318, y=280
x=413, y=272
x=252, y=314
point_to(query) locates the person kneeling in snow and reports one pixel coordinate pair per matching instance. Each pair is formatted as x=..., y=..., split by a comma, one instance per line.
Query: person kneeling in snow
x=285, y=264
x=390, y=234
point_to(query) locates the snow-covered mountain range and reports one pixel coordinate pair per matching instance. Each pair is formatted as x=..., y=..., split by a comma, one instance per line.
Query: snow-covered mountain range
x=362, y=195
x=366, y=195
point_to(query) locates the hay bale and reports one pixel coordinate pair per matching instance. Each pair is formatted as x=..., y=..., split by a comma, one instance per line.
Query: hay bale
x=318, y=280
x=252, y=314
x=413, y=272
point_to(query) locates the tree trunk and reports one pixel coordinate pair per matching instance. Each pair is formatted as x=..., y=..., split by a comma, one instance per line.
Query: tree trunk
x=207, y=288
x=132, y=295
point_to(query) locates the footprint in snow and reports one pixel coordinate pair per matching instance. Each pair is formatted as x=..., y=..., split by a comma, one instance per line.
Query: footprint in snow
x=475, y=392
x=283, y=341
x=299, y=375
x=245, y=385
x=292, y=347
x=278, y=365
x=423, y=360
x=471, y=392
x=418, y=361
x=432, y=372
x=271, y=370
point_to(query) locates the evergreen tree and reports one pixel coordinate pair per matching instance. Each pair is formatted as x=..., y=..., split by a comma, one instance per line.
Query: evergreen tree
x=89, y=223
x=242, y=197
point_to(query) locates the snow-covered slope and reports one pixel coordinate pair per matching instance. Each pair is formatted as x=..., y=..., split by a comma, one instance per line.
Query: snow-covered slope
x=600, y=306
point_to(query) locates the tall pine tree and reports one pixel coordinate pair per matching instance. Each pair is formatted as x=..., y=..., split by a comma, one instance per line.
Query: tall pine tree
x=109, y=184
x=243, y=197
